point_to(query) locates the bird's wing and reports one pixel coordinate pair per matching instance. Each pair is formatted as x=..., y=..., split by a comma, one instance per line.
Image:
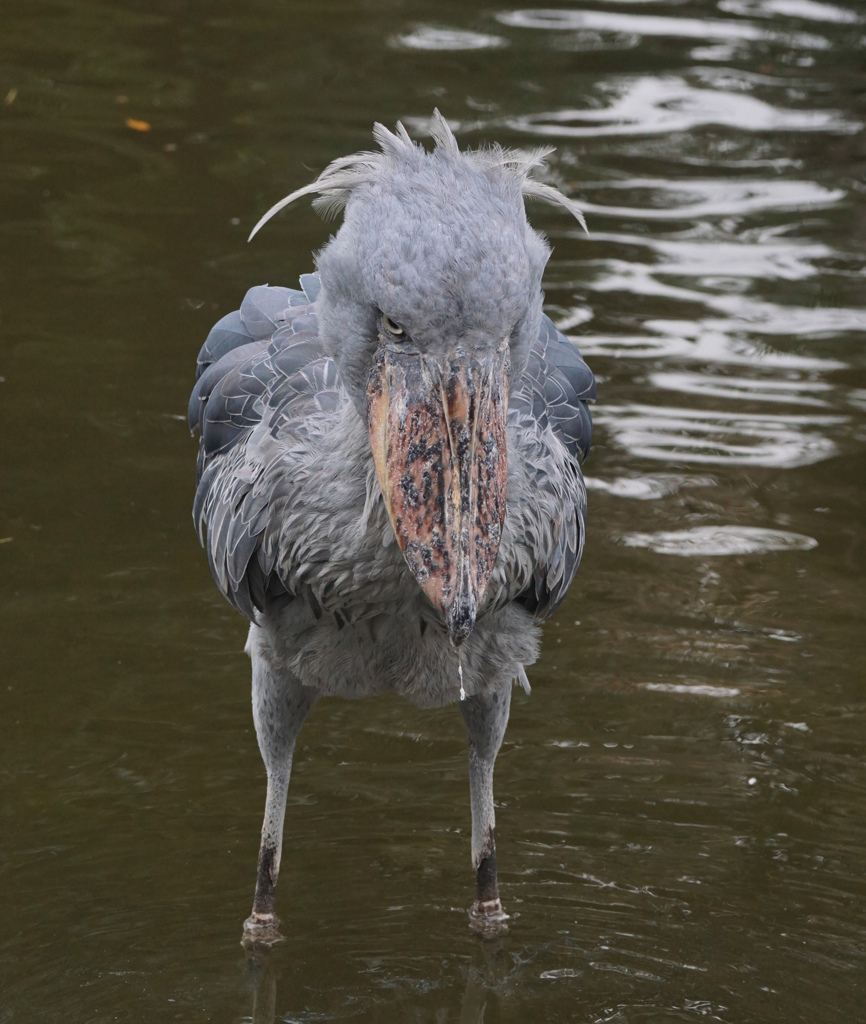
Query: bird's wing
x=554, y=392
x=260, y=369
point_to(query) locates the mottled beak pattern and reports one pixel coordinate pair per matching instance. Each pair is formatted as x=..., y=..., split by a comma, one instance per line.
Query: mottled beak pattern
x=437, y=432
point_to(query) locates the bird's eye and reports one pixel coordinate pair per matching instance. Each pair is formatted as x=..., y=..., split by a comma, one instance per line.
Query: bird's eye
x=392, y=328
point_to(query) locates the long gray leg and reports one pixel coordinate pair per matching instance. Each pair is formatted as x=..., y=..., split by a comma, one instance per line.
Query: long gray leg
x=280, y=706
x=485, y=716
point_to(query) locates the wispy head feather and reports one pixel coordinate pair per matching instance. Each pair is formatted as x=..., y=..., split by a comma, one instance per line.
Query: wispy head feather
x=343, y=176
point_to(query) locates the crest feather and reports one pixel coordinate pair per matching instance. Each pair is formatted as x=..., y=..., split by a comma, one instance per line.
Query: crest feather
x=442, y=135
x=534, y=189
x=334, y=186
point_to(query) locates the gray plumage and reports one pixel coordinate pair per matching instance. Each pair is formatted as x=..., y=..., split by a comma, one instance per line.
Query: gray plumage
x=289, y=506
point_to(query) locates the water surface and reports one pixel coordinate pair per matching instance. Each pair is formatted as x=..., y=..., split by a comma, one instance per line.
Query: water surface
x=681, y=798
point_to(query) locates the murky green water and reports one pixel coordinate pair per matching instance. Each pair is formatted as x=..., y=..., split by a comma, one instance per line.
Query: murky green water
x=682, y=798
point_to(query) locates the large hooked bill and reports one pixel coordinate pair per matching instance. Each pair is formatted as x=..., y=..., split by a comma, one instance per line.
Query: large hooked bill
x=437, y=432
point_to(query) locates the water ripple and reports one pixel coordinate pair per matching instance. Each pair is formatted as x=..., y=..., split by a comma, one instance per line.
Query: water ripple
x=807, y=10
x=694, y=689
x=647, y=488
x=643, y=105
x=654, y=25
x=742, y=314
x=692, y=198
x=755, y=389
x=703, y=341
x=429, y=37
x=699, y=437
x=701, y=252
x=710, y=541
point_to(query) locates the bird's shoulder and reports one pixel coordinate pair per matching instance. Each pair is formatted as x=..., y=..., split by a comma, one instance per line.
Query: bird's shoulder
x=261, y=362
x=552, y=426
x=555, y=389
x=263, y=384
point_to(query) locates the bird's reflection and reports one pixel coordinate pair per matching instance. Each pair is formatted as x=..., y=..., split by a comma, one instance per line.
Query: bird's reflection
x=489, y=971
x=260, y=979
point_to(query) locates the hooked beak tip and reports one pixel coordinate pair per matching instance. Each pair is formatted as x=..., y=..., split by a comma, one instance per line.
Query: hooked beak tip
x=461, y=621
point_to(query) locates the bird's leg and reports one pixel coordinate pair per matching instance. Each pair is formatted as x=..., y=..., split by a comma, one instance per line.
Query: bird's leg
x=280, y=706
x=485, y=716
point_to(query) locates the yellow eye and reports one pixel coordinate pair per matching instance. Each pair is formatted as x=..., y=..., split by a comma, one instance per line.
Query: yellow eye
x=392, y=328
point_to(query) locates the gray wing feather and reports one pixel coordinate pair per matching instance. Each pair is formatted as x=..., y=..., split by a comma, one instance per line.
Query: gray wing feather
x=312, y=285
x=264, y=309
x=209, y=378
x=554, y=391
x=234, y=406
x=261, y=366
x=225, y=335
x=562, y=385
x=263, y=313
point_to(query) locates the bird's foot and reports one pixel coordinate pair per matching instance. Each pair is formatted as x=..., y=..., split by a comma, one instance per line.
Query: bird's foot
x=261, y=931
x=488, y=919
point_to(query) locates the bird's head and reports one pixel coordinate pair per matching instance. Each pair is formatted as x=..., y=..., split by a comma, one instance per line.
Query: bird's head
x=431, y=297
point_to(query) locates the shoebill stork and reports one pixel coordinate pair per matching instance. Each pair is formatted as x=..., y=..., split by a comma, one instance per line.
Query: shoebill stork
x=389, y=481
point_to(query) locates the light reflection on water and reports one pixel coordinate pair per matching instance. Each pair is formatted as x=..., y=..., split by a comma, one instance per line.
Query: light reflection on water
x=694, y=199
x=426, y=37
x=680, y=800
x=646, y=106
x=693, y=436
x=712, y=541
